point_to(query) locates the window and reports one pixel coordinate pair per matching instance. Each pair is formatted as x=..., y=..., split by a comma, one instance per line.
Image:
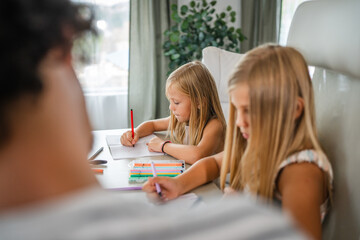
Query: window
x=287, y=12
x=106, y=68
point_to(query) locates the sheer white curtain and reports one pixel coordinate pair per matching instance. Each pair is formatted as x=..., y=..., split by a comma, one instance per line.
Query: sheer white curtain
x=260, y=22
x=148, y=66
x=107, y=110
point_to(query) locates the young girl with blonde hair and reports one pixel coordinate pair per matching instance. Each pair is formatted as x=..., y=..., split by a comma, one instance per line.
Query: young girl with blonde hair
x=271, y=148
x=196, y=122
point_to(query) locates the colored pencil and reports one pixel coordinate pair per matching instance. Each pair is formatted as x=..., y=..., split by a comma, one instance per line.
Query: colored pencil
x=132, y=124
x=151, y=175
x=97, y=170
x=157, y=164
x=157, y=186
x=126, y=188
x=96, y=153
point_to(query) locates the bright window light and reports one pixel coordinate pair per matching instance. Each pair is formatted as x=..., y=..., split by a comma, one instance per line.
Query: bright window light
x=107, y=55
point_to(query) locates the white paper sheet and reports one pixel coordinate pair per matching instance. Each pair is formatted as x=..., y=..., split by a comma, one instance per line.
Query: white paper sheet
x=118, y=151
x=184, y=202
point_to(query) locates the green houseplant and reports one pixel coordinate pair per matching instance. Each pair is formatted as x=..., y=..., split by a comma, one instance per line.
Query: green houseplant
x=196, y=27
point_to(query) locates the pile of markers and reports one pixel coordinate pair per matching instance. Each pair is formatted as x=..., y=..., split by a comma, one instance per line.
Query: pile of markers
x=140, y=170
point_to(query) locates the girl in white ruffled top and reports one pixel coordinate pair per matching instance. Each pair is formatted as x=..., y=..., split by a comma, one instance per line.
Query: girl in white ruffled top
x=271, y=149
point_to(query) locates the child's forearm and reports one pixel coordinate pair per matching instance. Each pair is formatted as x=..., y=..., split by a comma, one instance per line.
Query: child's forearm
x=145, y=129
x=149, y=127
x=189, y=153
x=203, y=171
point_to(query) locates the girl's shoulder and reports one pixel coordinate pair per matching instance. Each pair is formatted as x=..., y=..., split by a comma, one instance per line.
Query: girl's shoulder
x=311, y=156
x=214, y=123
x=319, y=160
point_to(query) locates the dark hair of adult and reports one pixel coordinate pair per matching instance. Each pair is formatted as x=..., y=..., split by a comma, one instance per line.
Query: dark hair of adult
x=28, y=30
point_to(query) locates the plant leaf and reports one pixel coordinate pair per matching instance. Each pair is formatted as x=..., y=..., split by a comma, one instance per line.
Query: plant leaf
x=175, y=16
x=175, y=56
x=204, y=3
x=198, y=24
x=184, y=9
x=201, y=36
x=185, y=26
x=174, y=37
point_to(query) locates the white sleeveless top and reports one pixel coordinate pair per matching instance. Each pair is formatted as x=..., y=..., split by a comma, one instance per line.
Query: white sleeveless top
x=186, y=137
x=310, y=156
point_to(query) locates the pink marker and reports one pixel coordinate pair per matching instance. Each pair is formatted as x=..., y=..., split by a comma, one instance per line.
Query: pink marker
x=158, y=189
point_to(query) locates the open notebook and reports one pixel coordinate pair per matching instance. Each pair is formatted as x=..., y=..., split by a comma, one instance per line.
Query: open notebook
x=118, y=151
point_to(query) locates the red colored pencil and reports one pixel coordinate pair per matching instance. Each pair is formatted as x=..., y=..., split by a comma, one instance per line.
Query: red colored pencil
x=132, y=124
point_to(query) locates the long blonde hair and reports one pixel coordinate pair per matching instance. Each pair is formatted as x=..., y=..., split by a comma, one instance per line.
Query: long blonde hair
x=276, y=77
x=195, y=81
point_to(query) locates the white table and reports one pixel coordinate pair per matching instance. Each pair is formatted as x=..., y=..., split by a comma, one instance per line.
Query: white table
x=116, y=172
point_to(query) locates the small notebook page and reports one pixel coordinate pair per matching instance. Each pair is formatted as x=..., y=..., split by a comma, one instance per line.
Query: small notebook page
x=118, y=151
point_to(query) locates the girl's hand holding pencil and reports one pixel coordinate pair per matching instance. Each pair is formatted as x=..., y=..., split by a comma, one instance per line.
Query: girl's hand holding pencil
x=128, y=140
x=170, y=188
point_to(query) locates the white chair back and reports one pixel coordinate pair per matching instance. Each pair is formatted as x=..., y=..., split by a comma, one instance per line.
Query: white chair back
x=221, y=63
